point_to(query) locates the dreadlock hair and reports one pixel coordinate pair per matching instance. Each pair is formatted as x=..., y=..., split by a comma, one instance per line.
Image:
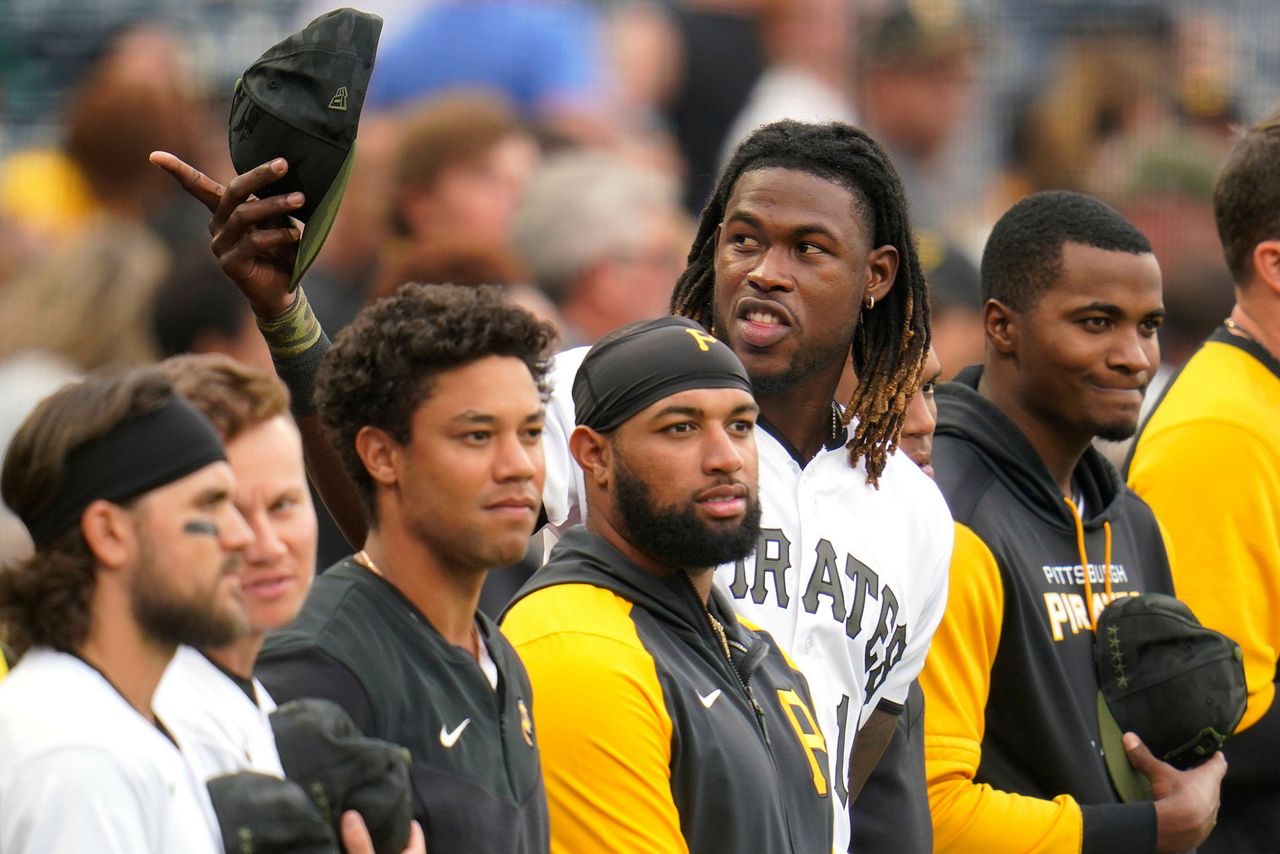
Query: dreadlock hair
x=891, y=343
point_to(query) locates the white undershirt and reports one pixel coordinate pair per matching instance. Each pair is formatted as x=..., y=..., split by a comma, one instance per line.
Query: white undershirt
x=485, y=661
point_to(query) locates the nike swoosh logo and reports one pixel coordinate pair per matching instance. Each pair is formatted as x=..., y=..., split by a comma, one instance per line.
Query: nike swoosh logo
x=710, y=700
x=449, y=739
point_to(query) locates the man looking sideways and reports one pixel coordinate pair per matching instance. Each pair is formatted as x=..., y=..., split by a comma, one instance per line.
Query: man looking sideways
x=125, y=489
x=208, y=696
x=666, y=723
x=1047, y=536
x=434, y=400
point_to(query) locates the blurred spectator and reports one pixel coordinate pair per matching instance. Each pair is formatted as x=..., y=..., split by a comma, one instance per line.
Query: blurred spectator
x=543, y=55
x=460, y=170
x=807, y=43
x=916, y=90
x=89, y=300
x=604, y=239
x=136, y=98
x=955, y=302
x=86, y=304
x=197, y=311
x=722, y=58
x=455, y=262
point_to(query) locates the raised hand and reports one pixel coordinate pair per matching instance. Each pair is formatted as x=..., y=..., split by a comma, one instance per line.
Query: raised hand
x=1186, y=801
x=254, y=239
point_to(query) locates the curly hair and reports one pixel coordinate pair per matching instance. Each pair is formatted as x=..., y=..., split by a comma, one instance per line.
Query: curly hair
x=381, y=367
x=890, y=344
x=1246, y=200
x=45, y=599
x=1023, y=255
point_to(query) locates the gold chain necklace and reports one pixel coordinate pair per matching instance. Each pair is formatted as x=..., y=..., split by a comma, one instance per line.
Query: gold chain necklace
x=1245, y=333
x=719, y=632
x=362, y=557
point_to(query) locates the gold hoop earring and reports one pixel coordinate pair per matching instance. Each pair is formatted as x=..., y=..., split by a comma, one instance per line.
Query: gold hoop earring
x=869, y=303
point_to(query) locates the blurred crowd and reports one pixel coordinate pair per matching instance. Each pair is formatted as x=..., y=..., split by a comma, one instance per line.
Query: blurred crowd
x=562, y=148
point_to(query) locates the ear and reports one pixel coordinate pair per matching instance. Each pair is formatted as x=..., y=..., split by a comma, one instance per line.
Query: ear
x=1266, y=264
x=882, y=272
x=1000, y=323
x=109, y=532
x=593, y=453
x=380, y=454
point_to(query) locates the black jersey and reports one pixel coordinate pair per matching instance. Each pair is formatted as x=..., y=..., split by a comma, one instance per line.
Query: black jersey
x=476, y=776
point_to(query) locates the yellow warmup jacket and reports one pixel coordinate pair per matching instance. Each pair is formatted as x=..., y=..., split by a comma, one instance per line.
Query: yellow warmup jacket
x=1208, y=463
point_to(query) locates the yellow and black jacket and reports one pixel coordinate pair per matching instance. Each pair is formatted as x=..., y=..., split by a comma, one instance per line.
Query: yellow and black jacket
x=1012, y=751
x=1208, y=461
x=651, y=739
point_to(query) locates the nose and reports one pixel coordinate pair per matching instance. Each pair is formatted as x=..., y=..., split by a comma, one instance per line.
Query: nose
x=267, y=546
x=1134, y=353
x=770, y=271
x=721, y=453
x=921, y=420
x=517, y=459
x=234, y=533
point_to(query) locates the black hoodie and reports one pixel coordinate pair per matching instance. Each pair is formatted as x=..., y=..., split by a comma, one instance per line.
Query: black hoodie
x=1010, y=679
x=651, y=738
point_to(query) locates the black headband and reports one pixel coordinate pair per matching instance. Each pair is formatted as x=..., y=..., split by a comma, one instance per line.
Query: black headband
x=621, y=376
x=138, y=455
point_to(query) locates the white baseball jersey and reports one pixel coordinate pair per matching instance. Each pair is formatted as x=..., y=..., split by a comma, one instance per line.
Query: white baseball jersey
x=81, y=770
x=220, y=730
x=850, y=580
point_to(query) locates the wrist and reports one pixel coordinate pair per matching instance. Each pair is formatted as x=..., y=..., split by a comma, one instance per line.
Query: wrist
x=290, y=330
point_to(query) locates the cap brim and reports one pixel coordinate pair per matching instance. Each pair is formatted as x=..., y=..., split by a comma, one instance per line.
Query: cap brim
x=321, y=221
x=1130, y=784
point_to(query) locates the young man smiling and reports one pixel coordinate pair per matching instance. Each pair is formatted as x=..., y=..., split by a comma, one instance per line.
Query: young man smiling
x=666, y=724
x=208, y=696
x=1047, y=536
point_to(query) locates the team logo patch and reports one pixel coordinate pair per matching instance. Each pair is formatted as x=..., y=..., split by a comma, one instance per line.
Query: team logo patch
x=526, y=722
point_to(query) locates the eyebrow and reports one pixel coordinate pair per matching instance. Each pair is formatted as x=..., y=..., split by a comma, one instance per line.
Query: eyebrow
x=697, y=412
x=212, y=495
x=796, y=232
x=1115, y=311
x=473, y=417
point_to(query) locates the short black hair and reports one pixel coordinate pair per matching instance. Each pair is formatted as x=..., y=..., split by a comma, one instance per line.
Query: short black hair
x=381, y=367
x=1246, y=200
x=890, y=345
x=1023, y=256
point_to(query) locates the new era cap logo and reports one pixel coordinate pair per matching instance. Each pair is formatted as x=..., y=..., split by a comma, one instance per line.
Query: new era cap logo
x=339, y=100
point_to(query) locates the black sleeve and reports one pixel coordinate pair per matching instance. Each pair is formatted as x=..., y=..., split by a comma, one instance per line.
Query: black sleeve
x=307, y=671
x=1119, y=827
x=1251, y=753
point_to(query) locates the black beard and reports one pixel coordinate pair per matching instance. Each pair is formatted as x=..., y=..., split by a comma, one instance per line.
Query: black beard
x=677, y=537
x=168, y=619
x=1115, y=432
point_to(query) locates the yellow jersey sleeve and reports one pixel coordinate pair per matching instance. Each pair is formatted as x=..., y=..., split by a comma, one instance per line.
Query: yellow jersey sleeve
x=970, y=816
x=1215, y=487
x=604, y=733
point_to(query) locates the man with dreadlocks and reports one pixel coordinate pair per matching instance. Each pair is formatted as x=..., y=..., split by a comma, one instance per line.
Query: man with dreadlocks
x=803, y=255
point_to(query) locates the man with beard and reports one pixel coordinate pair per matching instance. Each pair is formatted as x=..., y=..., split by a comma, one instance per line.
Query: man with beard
x=666, y=724
x=1047, y=535
x=126, y=492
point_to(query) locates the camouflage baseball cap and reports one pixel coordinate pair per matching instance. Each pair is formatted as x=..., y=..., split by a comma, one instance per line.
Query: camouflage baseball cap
x=301, y=100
